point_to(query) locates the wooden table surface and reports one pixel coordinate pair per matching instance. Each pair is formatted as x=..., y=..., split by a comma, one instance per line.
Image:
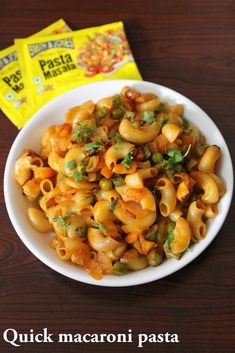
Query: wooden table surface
x=190, y=47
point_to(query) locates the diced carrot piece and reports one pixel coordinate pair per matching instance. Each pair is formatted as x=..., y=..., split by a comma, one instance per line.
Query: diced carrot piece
x=121, y=169
x=106, y=172
x=131, y=237
x=94, y=269
x=135, y=194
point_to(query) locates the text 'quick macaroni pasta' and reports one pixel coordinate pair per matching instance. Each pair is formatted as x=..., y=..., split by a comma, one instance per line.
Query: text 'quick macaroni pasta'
x=123, y=184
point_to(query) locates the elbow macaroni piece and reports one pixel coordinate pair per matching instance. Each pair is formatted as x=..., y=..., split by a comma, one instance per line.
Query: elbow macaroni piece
x=116, y=152
x=134, y=180
x=123, y=184
x=141, y=135
x=194, y=217
x=168, y=196
x=208, y=185
x=182, y=236
x=208, y=160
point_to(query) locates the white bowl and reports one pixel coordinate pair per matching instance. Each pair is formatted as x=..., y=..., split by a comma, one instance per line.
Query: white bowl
x=53, y=113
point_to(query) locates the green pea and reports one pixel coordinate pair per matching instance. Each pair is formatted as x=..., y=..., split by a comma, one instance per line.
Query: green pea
x=135, y=124
x=117, y=113
x=118, y=181
x=157, y=157
x=151, y=235
x=106, y=184
x=81, y=232
x=119, y=269
x=154, y=258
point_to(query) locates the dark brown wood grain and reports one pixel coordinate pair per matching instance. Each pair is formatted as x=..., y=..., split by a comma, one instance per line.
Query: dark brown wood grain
x=190, y=47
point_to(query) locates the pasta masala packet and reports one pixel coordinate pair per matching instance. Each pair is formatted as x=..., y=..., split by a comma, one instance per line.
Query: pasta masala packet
x=55, y=64
x=13, y=98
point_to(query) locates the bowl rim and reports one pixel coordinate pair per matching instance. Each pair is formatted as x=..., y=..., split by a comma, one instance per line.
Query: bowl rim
x=120, y=280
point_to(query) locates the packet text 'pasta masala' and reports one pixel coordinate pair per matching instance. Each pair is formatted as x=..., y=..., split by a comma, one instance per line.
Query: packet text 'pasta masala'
x=13, y=97
x=55, y=64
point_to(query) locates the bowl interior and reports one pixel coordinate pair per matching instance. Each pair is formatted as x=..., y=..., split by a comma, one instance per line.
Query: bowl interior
x=53, y=113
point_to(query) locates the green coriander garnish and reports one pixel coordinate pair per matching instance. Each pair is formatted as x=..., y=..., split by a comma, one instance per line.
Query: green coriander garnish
x=148, y=117
x=118, y=101
x=160, y=107
x=71, y=164
x=147, y=152
x=127, y=161
x=84, y=198
x=164, y=120
x=186, y=126
x=83, y=132
x=96, y=146
x=175, y=157
x=79, y=176
x=100, y=113
x=168, y=241
x=61, y=221
x=113, y=204
x=129, y=115
x=117, y=138
x=170, y=236
x=101, y=227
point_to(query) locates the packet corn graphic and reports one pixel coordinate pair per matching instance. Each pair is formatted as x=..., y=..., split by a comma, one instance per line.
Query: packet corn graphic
x=55, y=64
x=13, y=98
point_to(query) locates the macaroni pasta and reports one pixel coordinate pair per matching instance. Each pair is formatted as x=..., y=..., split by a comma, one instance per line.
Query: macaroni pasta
x=123, y=184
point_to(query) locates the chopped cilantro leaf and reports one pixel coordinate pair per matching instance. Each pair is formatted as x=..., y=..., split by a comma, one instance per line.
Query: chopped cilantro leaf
x=96, y=146
x=129, y=115
x=167, y=243
x=164, y=120
x=100, y=113
x=82, y=166
x=101, y=227
x=83, y=132
x=61, y=221
x=148, y=117
x=84, y=198
x=160, y=107
x=118, y=149
x=78, y=176
x=200, y=148
x=170, y=236
x=147, y=152
x=175, y=156
x=185, y=124
x=172, y=164
x=113, y=204
x=127, y=161
x=116, y=138
x=118, y=101
x=71, y=164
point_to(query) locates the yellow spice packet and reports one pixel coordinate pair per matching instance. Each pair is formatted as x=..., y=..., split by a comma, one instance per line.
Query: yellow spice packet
x=13, y=98
x=53, y=65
